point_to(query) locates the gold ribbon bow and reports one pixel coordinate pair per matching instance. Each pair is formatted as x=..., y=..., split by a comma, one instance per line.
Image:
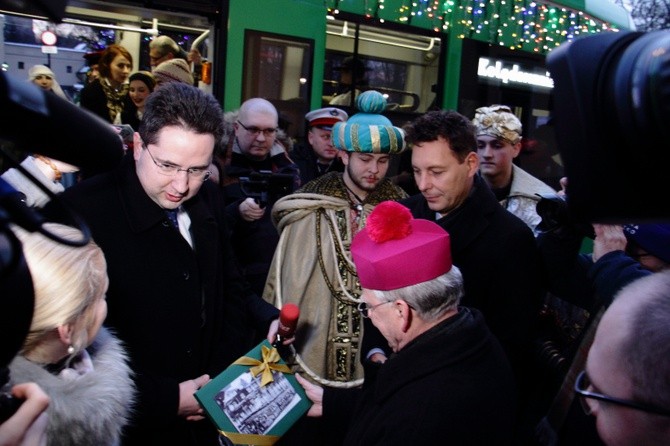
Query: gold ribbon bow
x=269, y=363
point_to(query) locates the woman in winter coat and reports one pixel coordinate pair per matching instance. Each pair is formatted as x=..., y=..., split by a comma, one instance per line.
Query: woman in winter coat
x=107, y=95
x=80, y=365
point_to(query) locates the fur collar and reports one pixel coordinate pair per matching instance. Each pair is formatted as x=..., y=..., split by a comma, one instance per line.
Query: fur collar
x=92, y=408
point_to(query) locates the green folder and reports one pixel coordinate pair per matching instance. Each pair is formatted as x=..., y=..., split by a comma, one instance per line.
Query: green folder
x=256, y=399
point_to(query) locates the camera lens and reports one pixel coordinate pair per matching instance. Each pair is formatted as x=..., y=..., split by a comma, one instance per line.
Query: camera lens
x=612, y=105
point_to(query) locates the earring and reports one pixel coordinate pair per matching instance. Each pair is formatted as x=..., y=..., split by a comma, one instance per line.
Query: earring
x=70, y=350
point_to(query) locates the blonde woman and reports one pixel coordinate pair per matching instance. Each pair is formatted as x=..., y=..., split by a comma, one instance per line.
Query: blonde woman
x=79, y=364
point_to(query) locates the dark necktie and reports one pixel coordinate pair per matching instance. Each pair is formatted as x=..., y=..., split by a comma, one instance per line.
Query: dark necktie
x=172, y=215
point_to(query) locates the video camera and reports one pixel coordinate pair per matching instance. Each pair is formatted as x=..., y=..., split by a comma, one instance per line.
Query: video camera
x=556, y=217
x=66, y=133
x=267, y=187
x=612, y=103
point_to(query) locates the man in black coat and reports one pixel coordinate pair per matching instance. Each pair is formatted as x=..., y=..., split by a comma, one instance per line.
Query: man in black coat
x=258, y=154
x=175, y=296
x=317, y=155
x=495, y=250
x=448, y=380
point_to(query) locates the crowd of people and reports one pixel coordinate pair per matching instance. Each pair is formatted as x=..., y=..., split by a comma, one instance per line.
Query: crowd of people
x=420, y=312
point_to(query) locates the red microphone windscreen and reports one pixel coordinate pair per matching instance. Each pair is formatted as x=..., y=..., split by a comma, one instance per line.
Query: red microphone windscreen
x=288, y=319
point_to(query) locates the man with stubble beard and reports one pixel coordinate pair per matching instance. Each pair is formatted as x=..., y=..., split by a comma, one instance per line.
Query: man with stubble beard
x=494, y=249
x=312, y=266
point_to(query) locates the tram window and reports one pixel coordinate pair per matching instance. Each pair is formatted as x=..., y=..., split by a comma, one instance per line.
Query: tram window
x=183, y=39
x=278, y=68
x=23, y=49
x=388, y=77
x=401, y=65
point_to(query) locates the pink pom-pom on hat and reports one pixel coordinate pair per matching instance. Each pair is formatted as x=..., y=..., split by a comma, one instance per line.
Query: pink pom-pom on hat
x=395, y=250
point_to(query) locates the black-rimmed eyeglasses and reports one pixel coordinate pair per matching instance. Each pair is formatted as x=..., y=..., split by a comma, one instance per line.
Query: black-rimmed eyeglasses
x=582, y=383
x=255, y=130
x=172, y=170
x=365, y=310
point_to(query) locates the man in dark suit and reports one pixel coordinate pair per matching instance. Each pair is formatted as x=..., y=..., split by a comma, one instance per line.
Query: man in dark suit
x=175, y=296
x=494, y=249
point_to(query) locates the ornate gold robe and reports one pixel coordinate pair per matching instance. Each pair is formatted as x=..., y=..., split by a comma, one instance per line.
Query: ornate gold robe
x=312, y=267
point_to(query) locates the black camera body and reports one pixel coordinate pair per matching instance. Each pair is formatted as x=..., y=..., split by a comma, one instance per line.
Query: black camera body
x=556, y=217
x=8, y=403
x=267, y=187
x=612, y=104
x=23, y=102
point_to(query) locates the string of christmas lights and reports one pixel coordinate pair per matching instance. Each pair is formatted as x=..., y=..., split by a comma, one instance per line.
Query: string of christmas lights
x=526, y=25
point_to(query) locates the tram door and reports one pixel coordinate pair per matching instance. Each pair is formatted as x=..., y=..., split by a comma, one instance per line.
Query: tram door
x=277, y=68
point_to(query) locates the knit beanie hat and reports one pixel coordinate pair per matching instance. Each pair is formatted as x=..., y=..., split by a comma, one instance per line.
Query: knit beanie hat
x=144, y=76
x=43, y=70
x=499, y=122
x=368, y=131
x=652, y=237
x=395, y=250
x=173, y=70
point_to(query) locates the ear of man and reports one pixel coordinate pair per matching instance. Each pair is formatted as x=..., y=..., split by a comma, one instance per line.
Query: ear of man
x=404, y=313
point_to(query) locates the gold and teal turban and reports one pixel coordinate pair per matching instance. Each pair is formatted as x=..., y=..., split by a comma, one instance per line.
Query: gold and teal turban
x=368, y=131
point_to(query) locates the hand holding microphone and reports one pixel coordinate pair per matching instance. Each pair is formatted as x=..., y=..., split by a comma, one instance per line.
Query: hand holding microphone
x=288, y=321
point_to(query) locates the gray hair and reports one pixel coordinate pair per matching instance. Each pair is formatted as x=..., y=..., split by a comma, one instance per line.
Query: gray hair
x=431, y=299
x=166, y=45
x=646, y=350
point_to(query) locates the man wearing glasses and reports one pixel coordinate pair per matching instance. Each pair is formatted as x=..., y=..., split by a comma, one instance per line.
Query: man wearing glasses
x=175, y=296
x=448, y=380
x=255, y=148
x=626, y=384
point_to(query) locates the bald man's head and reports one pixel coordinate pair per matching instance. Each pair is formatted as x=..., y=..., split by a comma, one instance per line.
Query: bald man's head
x=256, y=128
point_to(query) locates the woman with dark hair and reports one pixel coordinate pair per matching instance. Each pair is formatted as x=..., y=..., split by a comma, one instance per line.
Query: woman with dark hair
x=107, y=95
x=141, y=85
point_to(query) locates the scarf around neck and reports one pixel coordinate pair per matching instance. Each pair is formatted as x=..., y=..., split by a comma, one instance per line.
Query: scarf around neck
x=114, y=97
